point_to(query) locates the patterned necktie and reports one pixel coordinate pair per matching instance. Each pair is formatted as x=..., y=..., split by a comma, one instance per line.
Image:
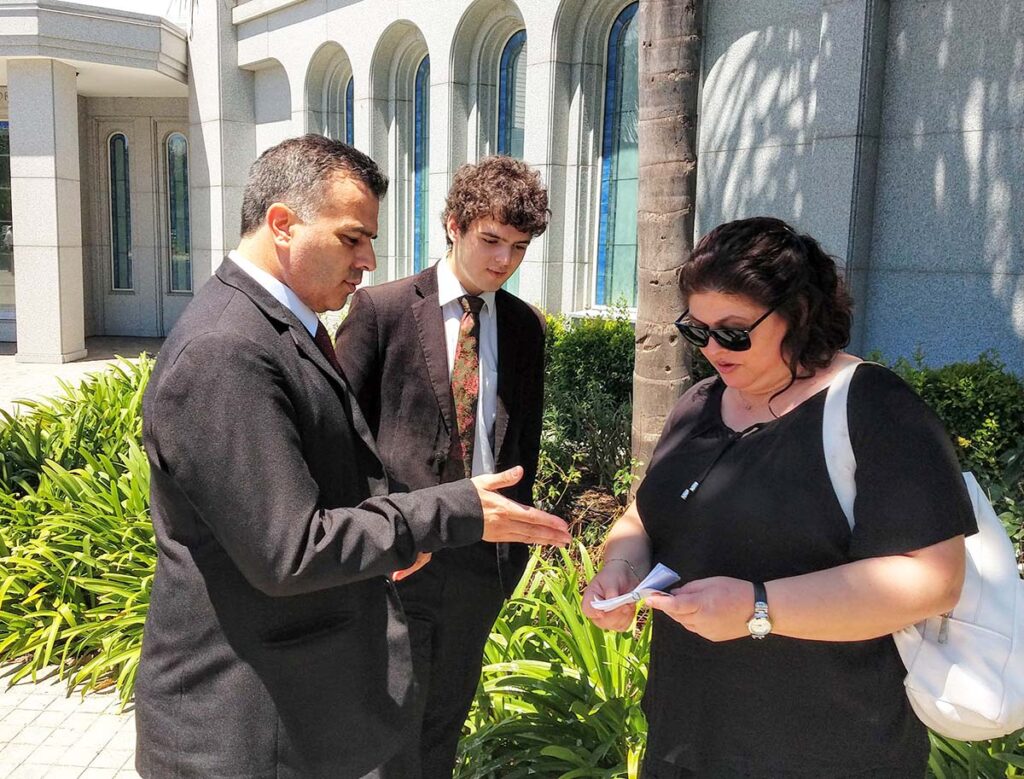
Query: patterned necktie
x=323, y=343
x=466, y=382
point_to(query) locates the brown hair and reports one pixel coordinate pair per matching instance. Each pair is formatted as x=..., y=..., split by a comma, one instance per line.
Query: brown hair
x=766, y=260
x=503, y=188
x=296, y=172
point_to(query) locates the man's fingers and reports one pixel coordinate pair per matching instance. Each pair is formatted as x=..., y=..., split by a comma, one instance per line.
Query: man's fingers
x=515, y=532
x=421, y=559
x=498, y=481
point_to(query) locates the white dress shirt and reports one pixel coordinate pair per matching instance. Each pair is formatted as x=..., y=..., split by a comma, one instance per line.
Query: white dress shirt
x=283, y=293
x=449, y=290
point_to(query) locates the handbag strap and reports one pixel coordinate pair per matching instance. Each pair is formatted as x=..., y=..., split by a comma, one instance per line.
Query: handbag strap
x=835, y=432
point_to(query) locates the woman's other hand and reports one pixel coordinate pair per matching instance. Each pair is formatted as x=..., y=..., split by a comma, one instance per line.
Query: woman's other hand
x=614, y=579
x=717, y=608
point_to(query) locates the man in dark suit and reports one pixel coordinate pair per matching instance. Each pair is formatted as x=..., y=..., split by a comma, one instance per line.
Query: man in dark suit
x=402, y=346
x=275, y=644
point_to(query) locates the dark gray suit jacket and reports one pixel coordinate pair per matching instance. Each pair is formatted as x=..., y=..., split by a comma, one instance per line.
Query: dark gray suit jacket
x=393, y=350
x=275, y=646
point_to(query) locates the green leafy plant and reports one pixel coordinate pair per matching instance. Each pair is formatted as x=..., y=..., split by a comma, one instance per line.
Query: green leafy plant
x=981, y=403
x=77, y=552
x=558, y=696
x=588, y=409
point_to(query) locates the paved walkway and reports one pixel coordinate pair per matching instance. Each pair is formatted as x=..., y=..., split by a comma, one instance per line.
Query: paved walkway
x=31, y=380
x=43, y=731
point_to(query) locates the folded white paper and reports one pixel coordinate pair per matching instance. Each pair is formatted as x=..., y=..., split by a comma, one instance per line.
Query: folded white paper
x=657, y=581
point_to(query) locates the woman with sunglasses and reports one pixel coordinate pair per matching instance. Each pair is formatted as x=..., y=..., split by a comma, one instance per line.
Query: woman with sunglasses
x=772, y=656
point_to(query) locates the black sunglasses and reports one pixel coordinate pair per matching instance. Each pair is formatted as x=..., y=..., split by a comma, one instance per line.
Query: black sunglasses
x=735, y=339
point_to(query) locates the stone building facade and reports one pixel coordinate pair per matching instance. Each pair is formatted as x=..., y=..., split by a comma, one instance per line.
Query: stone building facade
x=891, y=130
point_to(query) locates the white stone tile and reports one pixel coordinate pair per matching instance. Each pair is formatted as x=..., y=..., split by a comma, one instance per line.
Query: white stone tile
x=69, y=216
x=51, y=718
x=34, y=208
x=63, y=738
x=38, y=702
x=78, y=721
x=34, y=734
x=16, y=753
x=66, y=703
x=97, y=703
x=123, y=739
x=78, y=755
x=20, y=717
x=112, y=758
x=30, y=771
x=45, y=754
x=98, y=773
x=9, y=731
x=63, y=771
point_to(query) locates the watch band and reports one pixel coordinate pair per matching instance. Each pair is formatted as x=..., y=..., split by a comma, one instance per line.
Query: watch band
x=760, y=593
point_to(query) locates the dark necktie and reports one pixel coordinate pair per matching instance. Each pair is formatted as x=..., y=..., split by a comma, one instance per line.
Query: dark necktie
x=466, y=382
x=323, y=342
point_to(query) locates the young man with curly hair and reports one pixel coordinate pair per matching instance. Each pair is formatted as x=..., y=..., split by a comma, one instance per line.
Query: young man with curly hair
x=448, y=368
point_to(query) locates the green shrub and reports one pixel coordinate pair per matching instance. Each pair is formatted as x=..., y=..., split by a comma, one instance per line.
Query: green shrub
x=99, y=415
x=981, y=404
x=558, y=696
x=587, y=409
x=77, y=552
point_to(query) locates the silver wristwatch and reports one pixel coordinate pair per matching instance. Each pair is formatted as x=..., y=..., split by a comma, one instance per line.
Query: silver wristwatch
x=760, y=625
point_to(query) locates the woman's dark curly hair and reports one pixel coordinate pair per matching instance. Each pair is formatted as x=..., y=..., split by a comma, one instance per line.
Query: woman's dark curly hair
x=503, y=188
x=766, y=260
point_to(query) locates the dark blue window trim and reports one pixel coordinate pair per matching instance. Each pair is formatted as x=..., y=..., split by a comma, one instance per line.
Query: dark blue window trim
x=421, y=172
x=349, y=103
x=506, y=92
x=612, y=95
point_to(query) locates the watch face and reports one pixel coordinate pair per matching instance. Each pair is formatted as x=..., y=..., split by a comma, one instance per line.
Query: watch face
x=759, y=627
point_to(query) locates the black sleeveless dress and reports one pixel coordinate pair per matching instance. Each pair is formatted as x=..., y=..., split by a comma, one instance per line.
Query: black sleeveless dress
x=785, y=707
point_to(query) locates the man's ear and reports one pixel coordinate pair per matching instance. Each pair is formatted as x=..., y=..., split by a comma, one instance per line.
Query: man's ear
x=279, y=220
x=452, y=228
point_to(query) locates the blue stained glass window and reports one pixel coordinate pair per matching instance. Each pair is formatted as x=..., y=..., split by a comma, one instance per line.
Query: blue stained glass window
x=349, y=103
x=421, y=166
x=620, y=166
x=178, y=216
x=512, y=110
x=120, y=214
x=512, y=96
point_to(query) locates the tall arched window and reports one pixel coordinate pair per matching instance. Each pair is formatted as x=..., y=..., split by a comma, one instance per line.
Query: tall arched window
x=335, y=97
x=350, y=112
x=616, y=246
x=120, y=214
x=421, y=166
x=179, y=231
x=512, y=96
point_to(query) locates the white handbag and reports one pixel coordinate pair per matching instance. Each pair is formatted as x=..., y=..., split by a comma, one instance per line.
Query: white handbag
x=965, y=670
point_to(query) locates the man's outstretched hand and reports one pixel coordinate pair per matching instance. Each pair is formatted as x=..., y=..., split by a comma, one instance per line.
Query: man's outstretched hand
x=506, y=520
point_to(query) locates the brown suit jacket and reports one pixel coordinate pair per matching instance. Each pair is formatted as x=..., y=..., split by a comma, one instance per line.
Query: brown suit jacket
x=275, y=644
x=392, y=348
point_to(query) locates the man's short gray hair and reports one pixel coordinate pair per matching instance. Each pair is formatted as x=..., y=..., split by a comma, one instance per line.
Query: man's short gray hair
x=297, y=171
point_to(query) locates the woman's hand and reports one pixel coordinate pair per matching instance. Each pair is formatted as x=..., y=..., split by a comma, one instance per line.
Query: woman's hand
x=717, y=608
x=614, y=579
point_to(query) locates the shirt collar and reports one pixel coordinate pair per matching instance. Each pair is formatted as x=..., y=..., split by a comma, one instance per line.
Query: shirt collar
x=449, y=288
x=280, y=291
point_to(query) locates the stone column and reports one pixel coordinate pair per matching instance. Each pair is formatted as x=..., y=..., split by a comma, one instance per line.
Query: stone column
x=49, y=295
x=222, y=136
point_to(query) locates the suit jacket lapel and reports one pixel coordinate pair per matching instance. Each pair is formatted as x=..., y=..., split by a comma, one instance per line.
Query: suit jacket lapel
x=234, y=276
x=430, y=327
x=506, y=371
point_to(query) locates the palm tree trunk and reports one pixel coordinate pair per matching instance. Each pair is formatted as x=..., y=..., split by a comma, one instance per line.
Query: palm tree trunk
x=670, y=55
